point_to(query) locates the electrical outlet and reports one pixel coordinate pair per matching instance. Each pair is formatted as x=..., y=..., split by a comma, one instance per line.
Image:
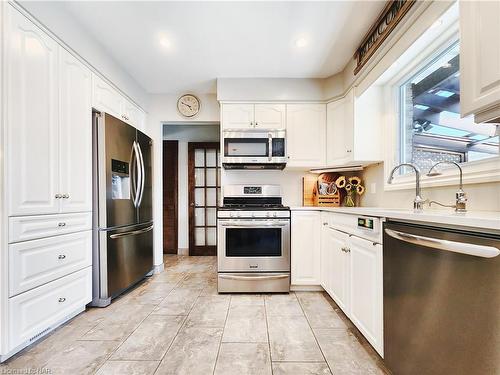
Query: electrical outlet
x=373, y=188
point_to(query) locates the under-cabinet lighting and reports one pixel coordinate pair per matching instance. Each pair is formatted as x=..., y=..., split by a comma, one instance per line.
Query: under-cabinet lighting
x=444, y=93
x=337, y=169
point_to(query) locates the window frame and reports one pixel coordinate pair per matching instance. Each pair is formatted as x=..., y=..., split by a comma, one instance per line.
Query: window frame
x=477, y=171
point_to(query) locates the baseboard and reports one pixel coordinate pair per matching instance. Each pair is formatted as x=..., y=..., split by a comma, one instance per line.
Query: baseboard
x=158, y=268
x=4, y=357
x=306, y=288
x=183, y=251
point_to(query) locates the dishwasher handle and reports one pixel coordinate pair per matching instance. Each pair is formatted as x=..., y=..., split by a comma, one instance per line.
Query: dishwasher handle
x=453, y=246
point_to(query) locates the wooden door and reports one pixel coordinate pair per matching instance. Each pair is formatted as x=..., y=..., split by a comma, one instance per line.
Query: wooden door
x=31, y=119
x=204, y=193
x=170, y=196
x=306, y=135
x=75, y=131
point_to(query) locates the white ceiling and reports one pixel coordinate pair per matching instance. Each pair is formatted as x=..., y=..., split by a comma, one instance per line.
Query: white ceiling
x=225, y=39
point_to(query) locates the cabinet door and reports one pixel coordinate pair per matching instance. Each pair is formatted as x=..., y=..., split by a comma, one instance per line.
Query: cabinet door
x=32, y=118
x=338, y=267
x=106, y=98
x=270, y=116
x=237, y=116
x=479, y=55
x=133, y=114
x=306, y=135
x=75, y=134
x=340, y=127
x=305, y=247
x=366, y=294
x=324, y=272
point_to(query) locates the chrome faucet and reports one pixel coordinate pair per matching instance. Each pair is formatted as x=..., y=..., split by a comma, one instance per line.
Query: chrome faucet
x=418, y=202
x=460, y=195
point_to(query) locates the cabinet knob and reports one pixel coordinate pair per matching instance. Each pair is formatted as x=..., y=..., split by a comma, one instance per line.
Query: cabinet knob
x=349, y=151
x=251, y=123
x=256, y=124
x=62, y=256
x=325, y=224
x=65, y=196
x=58, y=196
x=61, y=224
x=62, y=299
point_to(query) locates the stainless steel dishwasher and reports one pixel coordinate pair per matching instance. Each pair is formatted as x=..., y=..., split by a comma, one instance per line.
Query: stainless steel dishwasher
x=441, y=301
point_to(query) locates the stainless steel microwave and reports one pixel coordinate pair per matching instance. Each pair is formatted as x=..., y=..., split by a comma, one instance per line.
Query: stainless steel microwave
x=254, y=149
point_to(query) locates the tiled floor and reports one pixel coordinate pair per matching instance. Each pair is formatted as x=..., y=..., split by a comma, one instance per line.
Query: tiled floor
x=176, y=323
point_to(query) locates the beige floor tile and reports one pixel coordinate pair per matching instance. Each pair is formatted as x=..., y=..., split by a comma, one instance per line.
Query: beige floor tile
x=246, y=323
x=106, y=331
x=128, y=368
x=151, y=293
x=243, y=359
x=300, y=368
x=345, y=354
x=81, y=357
x=178, y=302
x=291, y=339
x=151, y=339
x=247, y=299
x=196, y=280
x=193, y=352
x=283, y=305
x=319, y=312
x=209, y=311
x=168, y=277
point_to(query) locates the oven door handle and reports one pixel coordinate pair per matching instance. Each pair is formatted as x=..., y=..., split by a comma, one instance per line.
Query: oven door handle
x=254, y=225
x=244, y=278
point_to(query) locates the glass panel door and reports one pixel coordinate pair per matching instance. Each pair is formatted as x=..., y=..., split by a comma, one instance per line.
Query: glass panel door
x=204, y=193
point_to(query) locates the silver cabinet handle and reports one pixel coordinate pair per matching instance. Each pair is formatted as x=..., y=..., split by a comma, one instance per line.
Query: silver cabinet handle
x=270, y=146
x=446, y=245
x=325, y=224
x=62, y=299
x=58, y=196
x=248, y=278
x=131, y=233
x=65, y=196
x=62, y=256
x=61, y=224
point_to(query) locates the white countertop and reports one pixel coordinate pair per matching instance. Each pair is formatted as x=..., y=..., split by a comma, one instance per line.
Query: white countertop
x=475, y=219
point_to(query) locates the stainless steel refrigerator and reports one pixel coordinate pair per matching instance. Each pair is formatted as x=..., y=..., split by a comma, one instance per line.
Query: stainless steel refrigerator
x=123, y=220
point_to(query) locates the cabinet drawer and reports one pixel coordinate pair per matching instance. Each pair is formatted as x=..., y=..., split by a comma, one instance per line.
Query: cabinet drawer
x=37, y=310
x=33, y=263
x=25, y=228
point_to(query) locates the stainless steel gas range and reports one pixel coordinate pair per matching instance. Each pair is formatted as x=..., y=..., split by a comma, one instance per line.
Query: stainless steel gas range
x=253, y=243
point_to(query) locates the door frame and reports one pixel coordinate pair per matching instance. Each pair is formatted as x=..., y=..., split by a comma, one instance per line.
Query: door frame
x=171, y=143
x=193, y=249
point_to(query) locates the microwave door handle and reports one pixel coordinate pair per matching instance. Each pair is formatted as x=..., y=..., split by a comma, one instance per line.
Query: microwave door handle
x=270, y=140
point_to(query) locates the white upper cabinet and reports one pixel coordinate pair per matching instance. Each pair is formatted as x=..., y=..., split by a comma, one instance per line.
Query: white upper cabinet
x=305, y=247
x=306, y=135
x=480, y=59
x=133, y=115
x=237, y=116
x=250, y=116
x=32, y=144
x=75, y=134
x=270, y=116
x=366, y=289
x=354, y=130
x=106, y=98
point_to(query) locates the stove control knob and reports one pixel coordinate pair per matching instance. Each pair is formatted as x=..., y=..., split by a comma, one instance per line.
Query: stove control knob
x=231, y=214
x=253, y=214
x=275, y=214
x=268, y=214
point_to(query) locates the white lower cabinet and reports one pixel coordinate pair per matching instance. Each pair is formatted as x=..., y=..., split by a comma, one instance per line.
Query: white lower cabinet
x=366, y=290
x=305, y=247
x=352, y=274
x=37, y=311
x=34, y=263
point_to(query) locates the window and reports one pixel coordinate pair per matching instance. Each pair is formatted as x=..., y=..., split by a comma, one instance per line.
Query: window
x=431, y=129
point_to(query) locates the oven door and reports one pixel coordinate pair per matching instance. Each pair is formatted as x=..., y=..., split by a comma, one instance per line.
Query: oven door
x=246, y=245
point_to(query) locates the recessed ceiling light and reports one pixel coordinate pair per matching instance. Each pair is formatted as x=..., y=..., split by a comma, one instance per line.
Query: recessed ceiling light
x=301, y=42
x=164, y=42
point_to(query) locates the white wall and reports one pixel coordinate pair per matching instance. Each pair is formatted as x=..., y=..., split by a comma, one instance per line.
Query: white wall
x=55, y=18
x=162, y=109
x=185, y=134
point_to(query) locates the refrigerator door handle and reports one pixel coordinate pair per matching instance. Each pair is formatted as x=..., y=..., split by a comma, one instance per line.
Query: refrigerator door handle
x=137, y=178
x=133, y=175
x=131, y=233
x=143, y=173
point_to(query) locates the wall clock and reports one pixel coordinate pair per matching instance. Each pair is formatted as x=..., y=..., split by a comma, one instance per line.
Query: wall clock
x=188, y=105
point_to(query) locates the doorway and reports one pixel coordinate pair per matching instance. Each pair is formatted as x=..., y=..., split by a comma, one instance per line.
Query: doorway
x=170, y=196
x=204, y=193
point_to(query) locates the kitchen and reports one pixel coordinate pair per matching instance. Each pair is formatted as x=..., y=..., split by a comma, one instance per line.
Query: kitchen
x=274, y=270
